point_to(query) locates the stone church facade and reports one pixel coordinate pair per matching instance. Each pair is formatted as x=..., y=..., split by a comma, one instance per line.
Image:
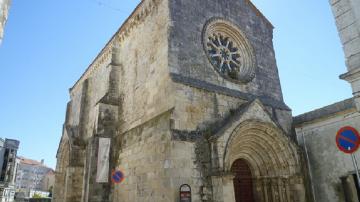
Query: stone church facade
x=182, y=95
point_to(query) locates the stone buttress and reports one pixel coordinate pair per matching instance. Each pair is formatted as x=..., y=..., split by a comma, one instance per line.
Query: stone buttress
x=180, y=93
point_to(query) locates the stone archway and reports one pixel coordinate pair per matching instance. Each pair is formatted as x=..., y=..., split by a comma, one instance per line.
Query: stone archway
x=272, y=158
x=243, y=181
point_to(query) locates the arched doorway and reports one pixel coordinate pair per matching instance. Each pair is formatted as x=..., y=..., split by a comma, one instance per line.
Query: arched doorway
x=243, y=185
x=272, y=159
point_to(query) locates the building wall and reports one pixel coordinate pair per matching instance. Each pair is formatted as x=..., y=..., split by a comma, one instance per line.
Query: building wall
x=154, y=94
x=4, y=11
x=347, y=18
x=154, y=166
x=144, y=78
x=325, y=162
x=31, y=176
x=48, y=181
x=203, y=95
x=186, y=51
x=129, y=78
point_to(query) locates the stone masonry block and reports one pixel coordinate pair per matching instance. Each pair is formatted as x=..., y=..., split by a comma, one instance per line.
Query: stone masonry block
x=345, y=20
x=349, y=33
x=353, y=62
x=340, y=7
x=352, y=47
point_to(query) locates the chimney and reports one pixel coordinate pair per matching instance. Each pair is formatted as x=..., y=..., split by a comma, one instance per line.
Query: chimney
x=42, y=161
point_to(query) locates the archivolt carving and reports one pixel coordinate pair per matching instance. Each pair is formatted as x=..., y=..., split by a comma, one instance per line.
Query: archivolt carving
x=269, y=152
x=272, y=158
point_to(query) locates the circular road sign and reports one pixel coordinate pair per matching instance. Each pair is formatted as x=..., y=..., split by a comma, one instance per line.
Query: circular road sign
x=348, y=139
x=117, y=176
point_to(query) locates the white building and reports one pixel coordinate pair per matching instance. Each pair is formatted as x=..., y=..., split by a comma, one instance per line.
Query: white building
x=31, y=175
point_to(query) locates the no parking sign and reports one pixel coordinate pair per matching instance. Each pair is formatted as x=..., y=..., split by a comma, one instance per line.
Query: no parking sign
x=348, y=141
x=117, y=176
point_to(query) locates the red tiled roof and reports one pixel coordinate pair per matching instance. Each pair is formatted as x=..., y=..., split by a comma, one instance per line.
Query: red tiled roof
x=30, y=161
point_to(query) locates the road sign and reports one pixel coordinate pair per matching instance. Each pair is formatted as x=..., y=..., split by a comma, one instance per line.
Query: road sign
x=348, y=139
x=117, y=176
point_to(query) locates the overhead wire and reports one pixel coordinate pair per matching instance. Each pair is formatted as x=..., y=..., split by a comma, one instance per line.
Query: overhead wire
x=104, y=4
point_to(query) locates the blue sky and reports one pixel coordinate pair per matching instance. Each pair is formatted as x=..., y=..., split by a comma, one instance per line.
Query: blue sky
x=48, y=45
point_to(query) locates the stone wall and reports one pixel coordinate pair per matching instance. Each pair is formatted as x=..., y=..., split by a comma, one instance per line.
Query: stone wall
x=126, y=86
x=187, y=56
x=196, y=108
x=204, y=96
x=154, y=166
x=316, y=133
x=143, y=81
x=153, y=92
x=347, y=18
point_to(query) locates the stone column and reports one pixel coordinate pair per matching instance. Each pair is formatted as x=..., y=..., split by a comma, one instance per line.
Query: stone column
x=297, y=189
x=75, y=175
x=265, y=187
x=260, y=193
x=281, y=190
x=228, y=187
x=94, y=191
x=274, y=189
x=98, y=190
x=58, y=189
x=106, y=112
x=287, y=189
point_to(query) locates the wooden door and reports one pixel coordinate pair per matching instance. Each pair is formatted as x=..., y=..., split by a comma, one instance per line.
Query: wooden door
x=243, y=185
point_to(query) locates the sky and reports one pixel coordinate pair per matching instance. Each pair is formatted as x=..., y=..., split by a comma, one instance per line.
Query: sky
x=48, y=45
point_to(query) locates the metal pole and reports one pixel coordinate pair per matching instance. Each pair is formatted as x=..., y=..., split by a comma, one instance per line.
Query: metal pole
x=356, y=167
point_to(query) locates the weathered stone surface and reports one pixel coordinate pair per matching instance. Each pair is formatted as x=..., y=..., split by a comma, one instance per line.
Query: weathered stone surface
x=170, y=114
x=347, y=18
x=4, y=11
x=187, y=56
x=316, y=133
x=325, y=112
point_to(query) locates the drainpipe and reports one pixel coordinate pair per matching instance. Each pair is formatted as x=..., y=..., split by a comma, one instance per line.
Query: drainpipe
x=309, y=166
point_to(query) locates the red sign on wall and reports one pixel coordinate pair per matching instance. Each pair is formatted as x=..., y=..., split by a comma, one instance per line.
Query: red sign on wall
x=185, y=193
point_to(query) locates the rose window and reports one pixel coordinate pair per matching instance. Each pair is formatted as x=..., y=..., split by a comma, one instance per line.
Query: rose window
x=228, y=50
x=224, y=54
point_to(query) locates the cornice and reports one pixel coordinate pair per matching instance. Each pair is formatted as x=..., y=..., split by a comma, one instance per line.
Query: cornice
x=259, y=13
x=351, y=76
x=142, y=10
